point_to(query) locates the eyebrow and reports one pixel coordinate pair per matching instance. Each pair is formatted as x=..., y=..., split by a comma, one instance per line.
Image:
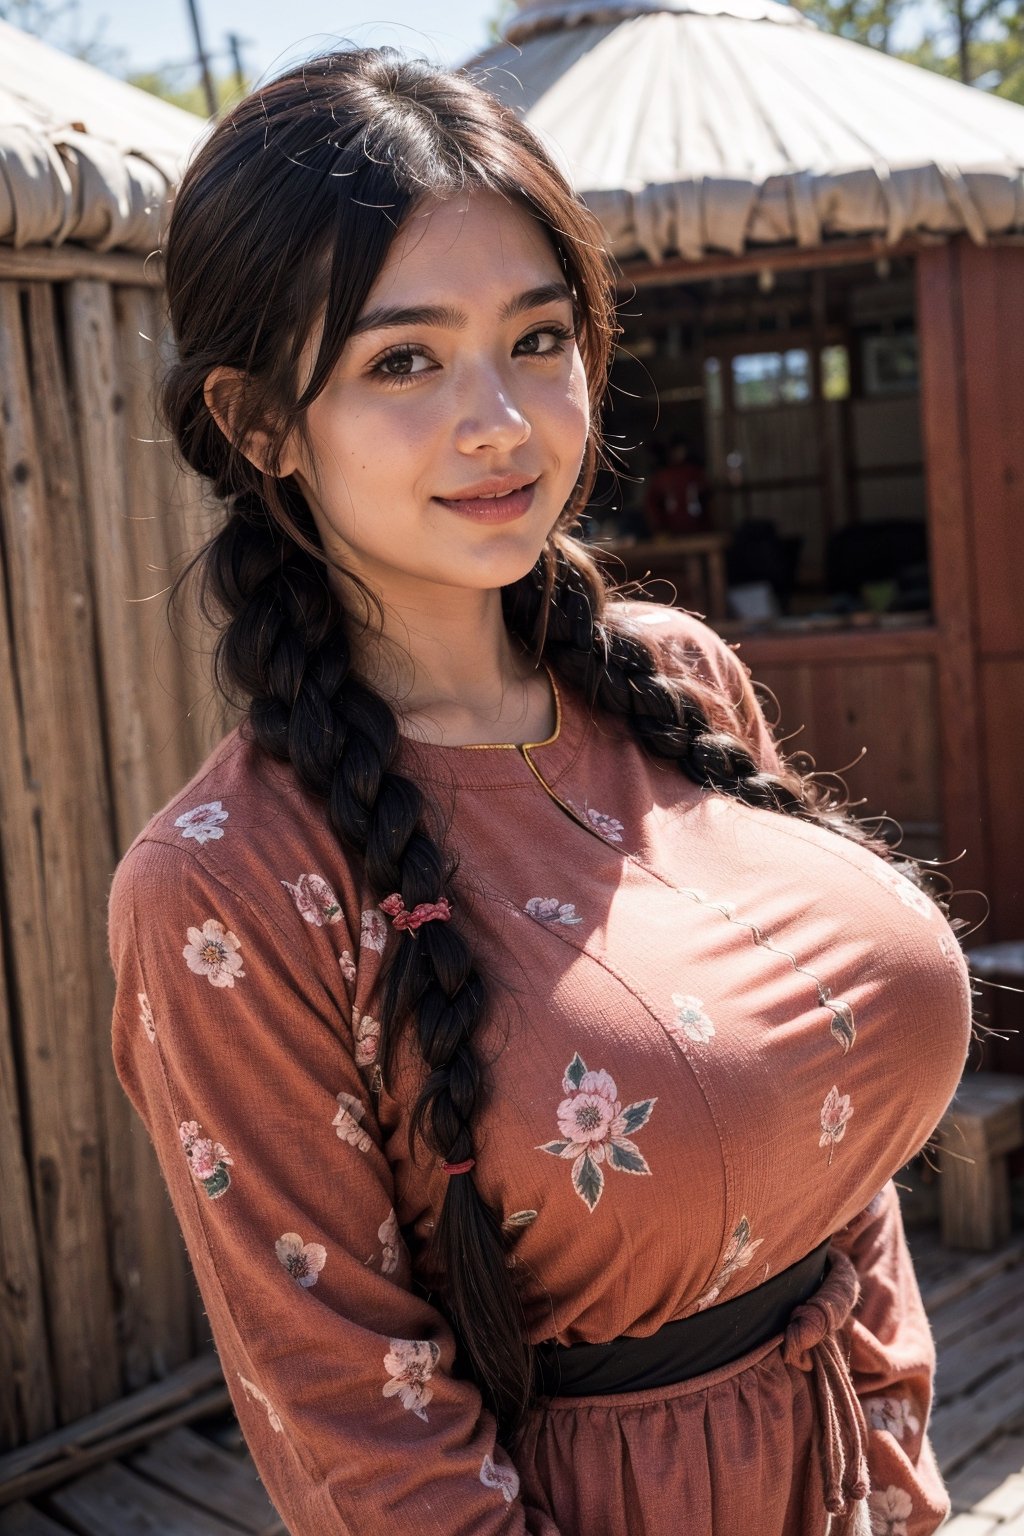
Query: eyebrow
x=449, y=318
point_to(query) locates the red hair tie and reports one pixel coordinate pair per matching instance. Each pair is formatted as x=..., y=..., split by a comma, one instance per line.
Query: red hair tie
x=459, y=1167
x=424, y=912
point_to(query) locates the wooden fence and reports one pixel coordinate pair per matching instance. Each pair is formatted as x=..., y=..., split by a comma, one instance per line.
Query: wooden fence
x=104, y=716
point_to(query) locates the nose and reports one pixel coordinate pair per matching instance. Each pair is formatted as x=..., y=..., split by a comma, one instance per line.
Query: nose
x=489, y=416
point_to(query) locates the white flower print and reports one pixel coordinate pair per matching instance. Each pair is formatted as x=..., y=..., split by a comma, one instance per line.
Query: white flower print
x=835, y=1112
x=690, y=1020
x=890, y=1509
x=504, y=1478
x=390, y=1240
x=213, y=951
x=894, y=1414
x=548, y=909
x=346, y=1122
x=146, y=1016
x=366, y=1033
x=597, y=1130
x=737, y=1256
x=373, y=930
x=348, y=966
x=411, y=1363
x=252, y=1390
x=208, y=1161
x=315, y=900
x=203, y=822
x=910, y=894
x=303, y=1261
x=604, y=825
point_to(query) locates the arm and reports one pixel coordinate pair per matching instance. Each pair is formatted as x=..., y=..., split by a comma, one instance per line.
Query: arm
x=892, y=1364
x=230, y=1041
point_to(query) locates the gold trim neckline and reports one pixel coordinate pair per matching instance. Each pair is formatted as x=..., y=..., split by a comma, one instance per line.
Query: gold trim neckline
x=503, y=746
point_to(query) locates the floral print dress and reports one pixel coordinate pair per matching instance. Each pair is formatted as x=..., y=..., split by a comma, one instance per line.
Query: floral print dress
x=717, y=1033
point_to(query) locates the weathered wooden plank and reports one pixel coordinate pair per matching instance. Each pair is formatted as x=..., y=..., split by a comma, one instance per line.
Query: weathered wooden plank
x=44, y=264
x=965, y=1272
x=989, y=1297
x=225, y=1484
x=26, y=1388
x=23, y=1520
x=48, y=879
x=963, y=1426
x=975, y=1480
x=114, y=1499
x=990, y=1344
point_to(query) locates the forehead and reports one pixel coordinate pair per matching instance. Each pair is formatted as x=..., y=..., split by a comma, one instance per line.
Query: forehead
x=465, y=247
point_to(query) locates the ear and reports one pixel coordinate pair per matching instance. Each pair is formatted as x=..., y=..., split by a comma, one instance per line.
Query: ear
x=224, y=393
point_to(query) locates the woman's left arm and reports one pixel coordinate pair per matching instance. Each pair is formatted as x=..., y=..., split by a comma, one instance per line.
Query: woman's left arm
x=892, y=1364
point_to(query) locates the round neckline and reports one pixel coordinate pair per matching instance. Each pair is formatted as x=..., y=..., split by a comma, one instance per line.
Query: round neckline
x=498, y=746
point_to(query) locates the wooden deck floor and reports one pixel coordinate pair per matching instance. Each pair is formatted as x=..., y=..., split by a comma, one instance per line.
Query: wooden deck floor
x=198, y=1481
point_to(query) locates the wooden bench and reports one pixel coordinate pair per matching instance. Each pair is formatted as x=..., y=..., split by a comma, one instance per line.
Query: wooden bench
x=982, y=1126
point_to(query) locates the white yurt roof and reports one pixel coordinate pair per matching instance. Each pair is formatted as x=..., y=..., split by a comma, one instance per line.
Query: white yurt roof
x=83, y=156
x=705, y=126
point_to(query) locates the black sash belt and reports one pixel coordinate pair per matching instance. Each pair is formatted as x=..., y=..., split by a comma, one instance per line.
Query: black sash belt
x=690, y=1346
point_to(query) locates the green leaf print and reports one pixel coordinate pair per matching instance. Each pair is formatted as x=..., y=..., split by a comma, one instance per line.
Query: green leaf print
x=588, y=1180
x=574, y=1072
x=636, y=1115
x=626, y=1157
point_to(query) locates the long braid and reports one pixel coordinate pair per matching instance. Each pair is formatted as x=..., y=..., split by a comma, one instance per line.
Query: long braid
x=590, y=645
x=286, y=648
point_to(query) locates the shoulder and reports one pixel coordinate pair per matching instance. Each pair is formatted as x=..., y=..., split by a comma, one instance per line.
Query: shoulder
x=678, y=636
x=245, y=835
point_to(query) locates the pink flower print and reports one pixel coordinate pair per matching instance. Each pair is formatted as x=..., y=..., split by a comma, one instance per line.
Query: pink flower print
x=203, y=822
x=348, y=966
x=411, y=1363
x=548, y=909
x=596, y=1130
x=893, y=1414
x=835, y=1112
x=690, y=1021
x=253, y=1391
x=207, y=1160
x=504, y=1478
x=315, y=900
x=890, y=1509
x=366, y=1033
x=146, y=1016
x=346, y=1121
x=373, y=930
x=737, y=1256
x=303, y=1261
x=212, y=951
x=390, y=1241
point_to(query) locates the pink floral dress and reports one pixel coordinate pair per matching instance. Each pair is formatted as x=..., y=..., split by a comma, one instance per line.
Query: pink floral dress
x=717, y=1033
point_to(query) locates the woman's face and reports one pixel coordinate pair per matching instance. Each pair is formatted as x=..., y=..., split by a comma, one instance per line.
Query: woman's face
x=461, y=379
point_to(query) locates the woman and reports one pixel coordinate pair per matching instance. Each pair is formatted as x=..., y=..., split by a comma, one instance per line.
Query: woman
x=496, y=992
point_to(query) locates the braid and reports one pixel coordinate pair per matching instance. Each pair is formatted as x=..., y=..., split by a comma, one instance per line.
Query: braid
x=285, y=647
x=590, y=646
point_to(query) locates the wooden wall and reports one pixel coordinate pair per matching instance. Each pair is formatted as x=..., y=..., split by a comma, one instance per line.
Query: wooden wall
x=104, y=717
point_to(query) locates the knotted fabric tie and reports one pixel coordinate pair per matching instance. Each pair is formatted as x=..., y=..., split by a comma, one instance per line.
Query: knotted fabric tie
x=424, y=912
x=810, y=1344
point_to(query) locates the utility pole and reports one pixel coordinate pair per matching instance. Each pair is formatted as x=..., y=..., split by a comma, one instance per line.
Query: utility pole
x=211, y=94
x=235, y=44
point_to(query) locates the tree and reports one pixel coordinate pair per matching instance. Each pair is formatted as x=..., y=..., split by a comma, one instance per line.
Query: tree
x=862, y=21
x=167, y=83
x=58, y=24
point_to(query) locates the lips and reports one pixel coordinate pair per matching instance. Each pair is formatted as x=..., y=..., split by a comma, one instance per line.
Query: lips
x=494, y=486
x=493, y=504
x=499, y=501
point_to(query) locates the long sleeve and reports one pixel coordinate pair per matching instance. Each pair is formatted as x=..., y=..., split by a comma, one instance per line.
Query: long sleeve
x=892, y=1364
x=232, y=1046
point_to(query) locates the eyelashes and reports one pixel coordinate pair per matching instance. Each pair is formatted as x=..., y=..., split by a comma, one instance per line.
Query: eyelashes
x=403, y=356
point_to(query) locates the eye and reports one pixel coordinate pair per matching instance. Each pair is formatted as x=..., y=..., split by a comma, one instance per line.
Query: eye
x=532, y=345
x=399, y=364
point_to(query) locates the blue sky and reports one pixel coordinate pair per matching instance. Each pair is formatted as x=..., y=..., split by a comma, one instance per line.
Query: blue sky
x=274, y=32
